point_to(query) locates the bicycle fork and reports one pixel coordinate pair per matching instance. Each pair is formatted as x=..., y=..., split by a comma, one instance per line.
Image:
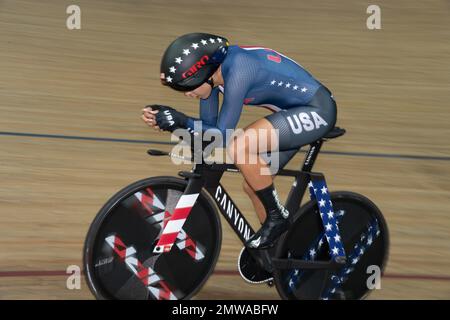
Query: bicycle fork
x=179, y=215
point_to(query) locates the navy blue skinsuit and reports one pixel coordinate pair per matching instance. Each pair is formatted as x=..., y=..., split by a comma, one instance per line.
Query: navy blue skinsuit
x=304, y=110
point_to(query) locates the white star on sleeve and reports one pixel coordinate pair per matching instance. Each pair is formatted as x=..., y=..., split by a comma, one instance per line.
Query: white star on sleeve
x=328, y=227
x=335, y=250
x=169, y=79
x=322, y=203
x=295, y=87
x=178, y=60
x=304, y=89
x=324, y=190
x=204, y=42
x=272, y=82
x=172, y=69
x=280, y=83
x=330, y=214
x=337, y=238
x=312, y=253
x=310, y=184
x=288, y=85
x=195, y=46
x=186, y=52
x=212, y=40
x=219, y=40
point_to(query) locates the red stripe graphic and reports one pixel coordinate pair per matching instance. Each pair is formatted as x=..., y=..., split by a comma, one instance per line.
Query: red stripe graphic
x=167, y=238
x=181, y=212
x=142, y=272
x=183, y=240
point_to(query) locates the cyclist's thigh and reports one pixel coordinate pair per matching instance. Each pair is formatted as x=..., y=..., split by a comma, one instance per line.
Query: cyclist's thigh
x=278, y=159
x=261, y=136
x=303, y=125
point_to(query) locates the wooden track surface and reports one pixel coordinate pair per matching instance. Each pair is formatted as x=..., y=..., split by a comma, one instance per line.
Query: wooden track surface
x=391, y=85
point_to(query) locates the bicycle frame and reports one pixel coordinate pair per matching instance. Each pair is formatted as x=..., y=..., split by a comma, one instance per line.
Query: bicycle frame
x=208, y=177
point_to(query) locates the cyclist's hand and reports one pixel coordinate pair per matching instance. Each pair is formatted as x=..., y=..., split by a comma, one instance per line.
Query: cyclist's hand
x=169, y=119
x=149, y=117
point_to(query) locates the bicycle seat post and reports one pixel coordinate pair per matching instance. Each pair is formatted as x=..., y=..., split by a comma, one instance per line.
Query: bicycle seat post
x=311, y=155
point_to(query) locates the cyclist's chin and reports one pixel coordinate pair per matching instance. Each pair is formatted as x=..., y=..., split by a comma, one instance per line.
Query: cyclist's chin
x=205, y=95
x=203, y=92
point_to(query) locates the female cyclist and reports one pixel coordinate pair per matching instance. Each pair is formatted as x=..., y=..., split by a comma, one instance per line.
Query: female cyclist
x=202, y=66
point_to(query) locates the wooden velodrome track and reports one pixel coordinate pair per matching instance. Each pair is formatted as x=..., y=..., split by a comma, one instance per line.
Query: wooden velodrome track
x=57, y=85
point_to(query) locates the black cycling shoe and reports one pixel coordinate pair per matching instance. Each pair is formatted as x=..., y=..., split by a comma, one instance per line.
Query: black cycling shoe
x=275, y=225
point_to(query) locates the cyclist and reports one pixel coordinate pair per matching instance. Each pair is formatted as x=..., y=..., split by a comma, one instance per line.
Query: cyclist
x=204, y=65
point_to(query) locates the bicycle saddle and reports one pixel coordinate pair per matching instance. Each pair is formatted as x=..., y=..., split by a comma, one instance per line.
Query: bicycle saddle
x=334, y=133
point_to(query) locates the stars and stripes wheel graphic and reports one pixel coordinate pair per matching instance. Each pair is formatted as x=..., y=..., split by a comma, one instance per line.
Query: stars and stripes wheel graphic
x=119, y=255
x=363, y=235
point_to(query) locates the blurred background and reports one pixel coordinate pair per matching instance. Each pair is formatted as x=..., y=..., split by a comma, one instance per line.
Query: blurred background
x=71, y=134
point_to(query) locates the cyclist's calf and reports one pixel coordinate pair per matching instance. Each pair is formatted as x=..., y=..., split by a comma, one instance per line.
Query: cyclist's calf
x=259, y=208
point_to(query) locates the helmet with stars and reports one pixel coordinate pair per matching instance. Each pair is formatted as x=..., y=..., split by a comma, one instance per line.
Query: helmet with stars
x=192, y=59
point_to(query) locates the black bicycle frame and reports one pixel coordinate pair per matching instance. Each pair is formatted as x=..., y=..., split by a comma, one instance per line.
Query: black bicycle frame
x=209, y=175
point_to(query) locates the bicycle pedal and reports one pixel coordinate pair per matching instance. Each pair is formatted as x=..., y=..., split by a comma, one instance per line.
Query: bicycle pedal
x=250, y=269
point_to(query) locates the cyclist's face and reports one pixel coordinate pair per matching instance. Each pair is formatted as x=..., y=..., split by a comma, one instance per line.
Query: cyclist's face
x=201, y=92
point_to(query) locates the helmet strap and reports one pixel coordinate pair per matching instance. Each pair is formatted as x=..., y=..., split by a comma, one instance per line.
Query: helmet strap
x=210, y=82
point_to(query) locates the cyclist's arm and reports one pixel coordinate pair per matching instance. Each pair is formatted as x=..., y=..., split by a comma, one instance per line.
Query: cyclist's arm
x=209, y=108
x=209, y=111
x=238, y=79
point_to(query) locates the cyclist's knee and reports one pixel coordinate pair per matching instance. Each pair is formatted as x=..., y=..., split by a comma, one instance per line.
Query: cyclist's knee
x=231, y=149
x=238, y=147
